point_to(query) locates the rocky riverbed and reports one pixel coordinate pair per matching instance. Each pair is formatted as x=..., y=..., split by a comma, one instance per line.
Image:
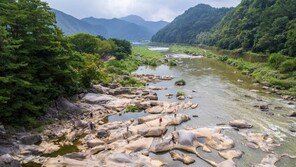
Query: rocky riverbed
x=85, y=137
x=100, y=129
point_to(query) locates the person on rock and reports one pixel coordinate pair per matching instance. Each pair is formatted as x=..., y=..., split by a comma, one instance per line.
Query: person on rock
x=160, y=121
x=91, y=126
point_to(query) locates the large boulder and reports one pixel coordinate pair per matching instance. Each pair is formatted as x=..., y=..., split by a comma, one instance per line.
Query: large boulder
x=186, y=159
x=293, y=114
x=7, y=160
x=292, y=127
x=94, y=143
x=65, y=105
x=94, y=98
x=76, y=155
x=153, y=131
x=121, y=90
x=242, y=124
x=102, y=133
x=31, y=139
x=186, y=137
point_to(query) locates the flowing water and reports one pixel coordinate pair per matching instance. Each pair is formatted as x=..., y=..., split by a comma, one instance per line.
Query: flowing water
x=222, y=98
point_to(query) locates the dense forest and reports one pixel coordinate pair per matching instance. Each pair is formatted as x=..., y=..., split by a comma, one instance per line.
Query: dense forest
x=257, y=25
x=194, y=21
x=38, y=63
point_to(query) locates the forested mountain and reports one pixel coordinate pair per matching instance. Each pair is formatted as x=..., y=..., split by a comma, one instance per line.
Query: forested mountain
x=185, y=27
x=71, y=25
x=152, y=26
x=257, y=25
x=121, y=29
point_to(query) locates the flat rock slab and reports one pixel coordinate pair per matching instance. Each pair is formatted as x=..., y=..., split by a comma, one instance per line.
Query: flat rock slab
x=94, y=98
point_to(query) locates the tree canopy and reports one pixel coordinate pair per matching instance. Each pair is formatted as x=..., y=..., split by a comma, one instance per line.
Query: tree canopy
x=257, y=25
x=39, y=64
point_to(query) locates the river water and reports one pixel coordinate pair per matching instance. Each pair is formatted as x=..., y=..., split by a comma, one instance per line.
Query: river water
x=223, y=94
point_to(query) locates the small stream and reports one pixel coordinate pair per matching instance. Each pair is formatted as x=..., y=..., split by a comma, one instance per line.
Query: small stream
x=223, y=94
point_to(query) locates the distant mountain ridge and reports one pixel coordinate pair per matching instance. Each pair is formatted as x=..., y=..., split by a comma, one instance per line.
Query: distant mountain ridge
x=120, y=29
x=132, y=27
x=71, y=25
x=152, y=26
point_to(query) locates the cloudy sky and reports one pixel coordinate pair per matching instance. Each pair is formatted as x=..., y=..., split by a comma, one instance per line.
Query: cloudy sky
x=148, y=9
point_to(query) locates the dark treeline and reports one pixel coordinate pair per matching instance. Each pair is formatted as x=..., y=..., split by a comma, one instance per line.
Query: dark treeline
x=38, y=63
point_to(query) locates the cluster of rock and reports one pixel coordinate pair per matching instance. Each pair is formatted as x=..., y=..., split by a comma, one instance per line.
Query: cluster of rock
x=153, y=78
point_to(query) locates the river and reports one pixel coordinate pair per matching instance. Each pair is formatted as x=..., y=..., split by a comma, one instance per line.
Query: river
x=224, y=94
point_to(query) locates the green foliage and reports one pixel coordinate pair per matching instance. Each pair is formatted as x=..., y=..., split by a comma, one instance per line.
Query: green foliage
x=288, y=66
x=180, y=93
x=187, y=26
x=276, y=59
x=122, y=49
x=86, y=43
x=37, y=64
x=132, y=108
x=259, y=26
x=180, y=82
x=172, y=62
x=130, y=81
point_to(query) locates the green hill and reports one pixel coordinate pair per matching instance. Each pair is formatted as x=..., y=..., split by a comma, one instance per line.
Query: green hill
x=185, y=27
x=257, y=25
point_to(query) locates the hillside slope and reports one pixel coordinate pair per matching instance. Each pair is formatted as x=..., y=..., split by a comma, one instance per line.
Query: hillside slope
x=259, y=26
x=185, y=27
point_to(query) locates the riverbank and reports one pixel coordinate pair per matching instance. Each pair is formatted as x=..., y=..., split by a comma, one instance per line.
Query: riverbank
x=279, y=81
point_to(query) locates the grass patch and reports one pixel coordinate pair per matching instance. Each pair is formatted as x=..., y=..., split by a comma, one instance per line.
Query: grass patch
x=132, y=108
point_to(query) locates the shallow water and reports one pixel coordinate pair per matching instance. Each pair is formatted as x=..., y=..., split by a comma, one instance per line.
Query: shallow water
x=222, y=98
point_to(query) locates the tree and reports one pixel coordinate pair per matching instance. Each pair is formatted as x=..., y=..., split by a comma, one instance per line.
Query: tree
x=37, y=64
x=122, y=48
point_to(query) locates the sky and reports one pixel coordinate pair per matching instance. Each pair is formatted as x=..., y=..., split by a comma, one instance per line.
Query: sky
x=153, y=10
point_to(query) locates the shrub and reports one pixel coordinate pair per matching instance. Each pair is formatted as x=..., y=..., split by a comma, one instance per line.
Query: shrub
x=172, y=62
x=180, y=93
x=180, y=82
x=288, y=65
x=132, y=108
x=130, y=81
x=223, y=58
x=276, y=59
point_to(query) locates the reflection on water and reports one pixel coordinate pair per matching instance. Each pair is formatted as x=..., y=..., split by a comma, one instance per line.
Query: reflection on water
x=223, y=94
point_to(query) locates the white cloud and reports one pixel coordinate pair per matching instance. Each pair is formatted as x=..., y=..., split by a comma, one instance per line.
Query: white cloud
x=148, y=9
